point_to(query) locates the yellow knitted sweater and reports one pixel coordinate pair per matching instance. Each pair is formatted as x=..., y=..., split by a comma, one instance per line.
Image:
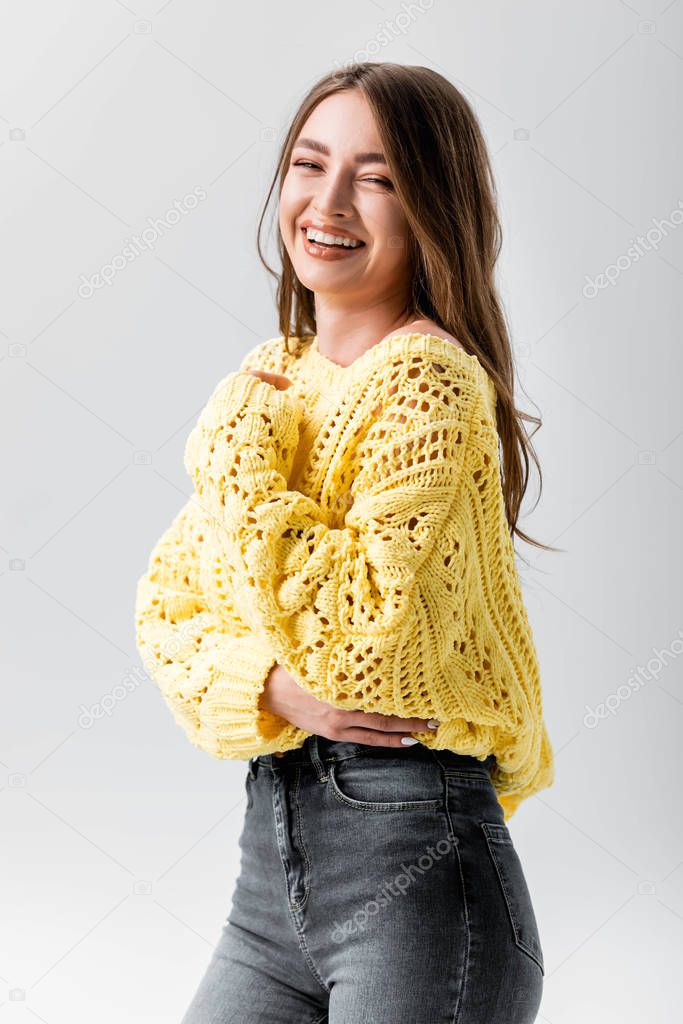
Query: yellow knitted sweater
x=352, y=528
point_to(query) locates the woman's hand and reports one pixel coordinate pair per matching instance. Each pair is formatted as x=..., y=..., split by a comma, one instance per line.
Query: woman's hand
x=276, y=379
x=284, y=697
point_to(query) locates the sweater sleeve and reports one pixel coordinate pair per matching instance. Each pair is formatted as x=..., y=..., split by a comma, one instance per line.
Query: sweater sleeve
x=211, y=671
x=340, y=606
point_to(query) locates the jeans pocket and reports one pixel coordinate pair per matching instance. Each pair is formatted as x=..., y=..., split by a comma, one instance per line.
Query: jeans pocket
x=514, y=890
x=372, y=783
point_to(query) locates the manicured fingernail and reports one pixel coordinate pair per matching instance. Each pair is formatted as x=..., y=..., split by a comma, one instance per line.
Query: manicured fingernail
x=408, y=740
x=433, y=724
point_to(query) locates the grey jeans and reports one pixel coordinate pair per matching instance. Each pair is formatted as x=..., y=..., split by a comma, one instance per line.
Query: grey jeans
x=376, y=886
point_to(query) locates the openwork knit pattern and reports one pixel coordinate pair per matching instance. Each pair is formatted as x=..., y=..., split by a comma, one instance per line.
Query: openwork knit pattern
x=352, y=528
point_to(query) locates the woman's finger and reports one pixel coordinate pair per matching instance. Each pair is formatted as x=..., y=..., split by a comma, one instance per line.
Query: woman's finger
x=387, y=723
x=373, y=738
x=278, y=380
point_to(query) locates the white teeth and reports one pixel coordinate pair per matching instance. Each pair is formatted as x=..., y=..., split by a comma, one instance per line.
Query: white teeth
x=319, y=236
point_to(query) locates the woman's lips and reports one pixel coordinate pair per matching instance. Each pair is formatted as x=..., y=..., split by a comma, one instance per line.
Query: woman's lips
x=326, y=252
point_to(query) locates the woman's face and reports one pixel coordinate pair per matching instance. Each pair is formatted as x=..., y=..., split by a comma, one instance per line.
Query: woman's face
x=344, y=196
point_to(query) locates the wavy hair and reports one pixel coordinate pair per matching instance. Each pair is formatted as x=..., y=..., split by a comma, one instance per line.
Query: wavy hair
x=442, y=176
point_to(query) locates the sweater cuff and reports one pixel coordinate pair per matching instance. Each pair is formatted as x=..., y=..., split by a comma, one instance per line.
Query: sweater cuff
x=241, y=727
x=283, y=410
x=232, y=413
x=261, y=394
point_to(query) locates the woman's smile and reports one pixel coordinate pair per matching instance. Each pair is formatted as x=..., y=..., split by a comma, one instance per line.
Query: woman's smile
x=322, y=251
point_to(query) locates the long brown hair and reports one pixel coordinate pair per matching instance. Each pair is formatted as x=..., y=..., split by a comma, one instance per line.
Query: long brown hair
x=440, y=169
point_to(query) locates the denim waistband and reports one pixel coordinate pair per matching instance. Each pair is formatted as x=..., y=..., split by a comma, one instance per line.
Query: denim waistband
x=319, y=749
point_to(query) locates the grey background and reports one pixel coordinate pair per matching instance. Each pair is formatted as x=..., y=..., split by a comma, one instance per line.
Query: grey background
x=120, y=846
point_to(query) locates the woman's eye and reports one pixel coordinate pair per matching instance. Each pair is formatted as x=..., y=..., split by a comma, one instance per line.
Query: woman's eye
x=380, y=181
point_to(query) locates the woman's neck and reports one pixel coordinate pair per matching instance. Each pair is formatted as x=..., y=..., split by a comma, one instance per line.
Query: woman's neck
x=343, y=335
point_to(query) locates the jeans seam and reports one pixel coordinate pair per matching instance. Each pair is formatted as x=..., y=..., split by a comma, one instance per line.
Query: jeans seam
x=454, y=773
x=466, y=967
x=309, y=959
x=300, y=904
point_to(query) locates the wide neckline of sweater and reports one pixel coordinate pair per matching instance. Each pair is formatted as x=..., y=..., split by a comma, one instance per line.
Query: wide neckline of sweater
x=402, y=344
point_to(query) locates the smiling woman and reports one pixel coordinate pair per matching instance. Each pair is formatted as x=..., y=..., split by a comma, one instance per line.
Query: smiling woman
x=338, y=602
x=337, y=188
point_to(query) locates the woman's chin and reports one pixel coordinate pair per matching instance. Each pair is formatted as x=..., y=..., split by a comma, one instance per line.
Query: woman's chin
x=320, y=278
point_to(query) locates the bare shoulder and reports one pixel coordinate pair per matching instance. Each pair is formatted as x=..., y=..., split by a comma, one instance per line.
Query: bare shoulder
x=430, y=327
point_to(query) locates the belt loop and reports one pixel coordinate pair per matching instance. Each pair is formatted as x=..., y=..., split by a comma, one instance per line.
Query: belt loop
x=320, y=769
x=435, y=755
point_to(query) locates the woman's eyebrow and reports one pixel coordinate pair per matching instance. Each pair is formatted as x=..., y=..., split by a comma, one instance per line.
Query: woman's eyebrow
x=360, y=158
